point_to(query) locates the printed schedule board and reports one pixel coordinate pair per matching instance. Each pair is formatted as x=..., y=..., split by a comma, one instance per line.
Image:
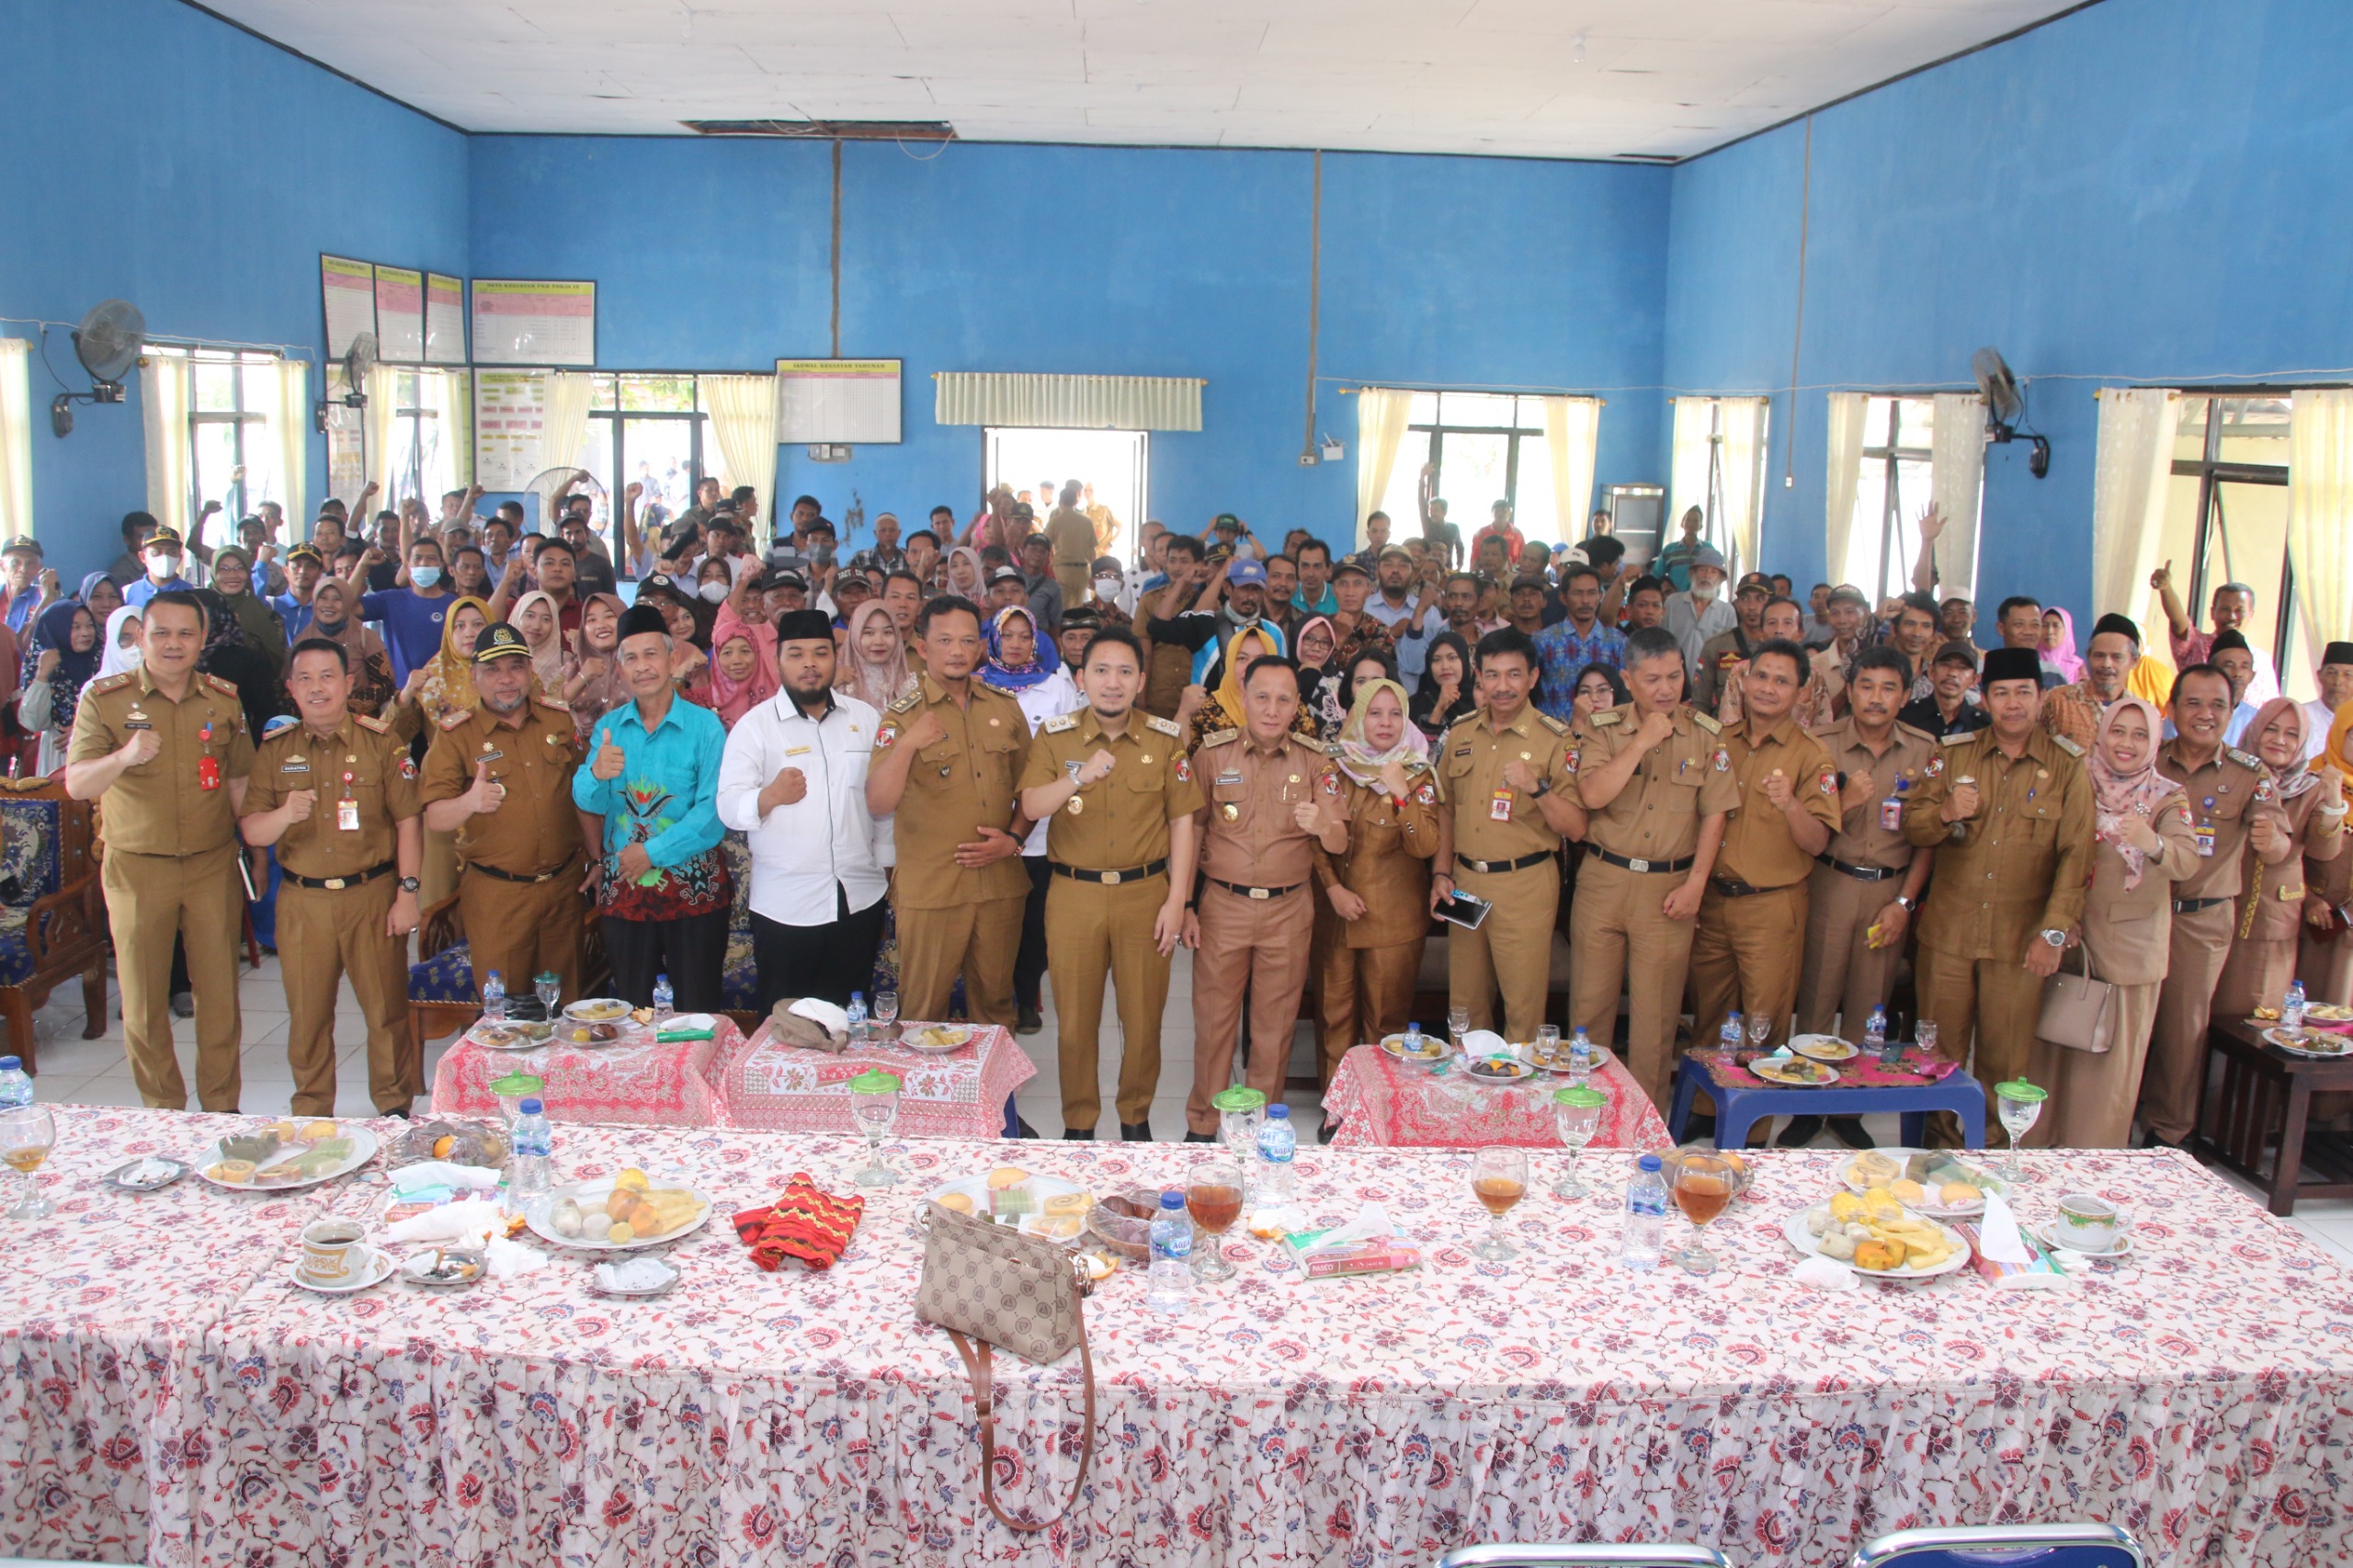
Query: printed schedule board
x=534, y=321
x=348, y=289
x=850, y=401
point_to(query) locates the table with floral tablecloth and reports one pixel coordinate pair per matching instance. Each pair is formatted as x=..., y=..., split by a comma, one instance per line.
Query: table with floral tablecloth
x=2200, y=1394
x=636, y=1082
x=782, y=1088
x=1382, y=1101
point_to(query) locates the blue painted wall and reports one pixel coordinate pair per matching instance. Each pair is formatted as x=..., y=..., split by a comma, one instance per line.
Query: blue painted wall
x=157, y=154
x=2150, y=191
x=1119, y=261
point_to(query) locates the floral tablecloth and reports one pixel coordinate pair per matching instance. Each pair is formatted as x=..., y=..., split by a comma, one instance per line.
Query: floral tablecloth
x=637, y=1082
x=1385, y=1102
x=1854, y=1072
x=768, y=1085
x=2200, y=1393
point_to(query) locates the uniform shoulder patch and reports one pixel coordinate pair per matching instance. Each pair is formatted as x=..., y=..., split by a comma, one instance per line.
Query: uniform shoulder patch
x=1708, y=721
x=2070, y=747
x=2247, y=760
x=1915, y=731
x=907, y=704
x=1220, y=737
x=1152, y=722
x=225, y=687
x=1063, y=722
x=557, y=703
x=369, y=723
x=1551, y=723
x=1604, y=719
x=1961, y=737
x=112, y=683
x=458, y=719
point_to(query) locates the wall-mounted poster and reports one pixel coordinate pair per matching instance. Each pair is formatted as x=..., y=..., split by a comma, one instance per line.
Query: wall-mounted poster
x=445, y=319
x=400, y=314
x=509, y=409
x=347, y=288
x=527, y=322
x=851, y=401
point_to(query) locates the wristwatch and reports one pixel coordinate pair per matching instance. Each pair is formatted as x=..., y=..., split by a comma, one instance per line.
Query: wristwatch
x=2055, y=939
x=1543, y=787
x=407, y=885
x=1911, y=905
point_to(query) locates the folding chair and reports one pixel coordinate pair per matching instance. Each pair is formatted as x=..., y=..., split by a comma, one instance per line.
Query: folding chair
x=2004, y=1546
x=1506, y=1554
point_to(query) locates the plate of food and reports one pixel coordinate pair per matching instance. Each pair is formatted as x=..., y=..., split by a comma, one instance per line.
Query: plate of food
x=285, y=1155
x=598, y=1010
x=1560, y=1066
x=1935, y=1182
x=1794, y=1071
x=1432, y=1048
x=1876, y=1237
x=618, y=1213
x=1823, y=1047
x=2309, y=1043
x=1036, y=1205
x=1499, y=1069
x=2328, y=1013
x=938, y=1039
x=588, y=1036
x=505, y=1037
x=150, y=1174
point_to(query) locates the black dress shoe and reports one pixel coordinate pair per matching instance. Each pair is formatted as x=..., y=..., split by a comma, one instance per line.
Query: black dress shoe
x=1072, y=1135
x=1026, y=1019
x=1800, y=1133
x=1021, y=1127
x=1191, y=1137
x=183, y=1004
x=1135, y=1132
x=1329, y=1131
x=1848, y=1129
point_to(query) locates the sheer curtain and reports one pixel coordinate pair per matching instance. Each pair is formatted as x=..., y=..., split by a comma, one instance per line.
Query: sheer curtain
x=289, y=431
x=2320, y=502
x=1848, y=413
x=166, y=385
x=1695, y=422
x=382, y=414
x=1956, y=476
x=1381, y=416
x=564, y=430
x=1743, y=448
x=2128, y=481
x=1572, y=427
x=15, y=438
x=742, y=420
x=440, y=396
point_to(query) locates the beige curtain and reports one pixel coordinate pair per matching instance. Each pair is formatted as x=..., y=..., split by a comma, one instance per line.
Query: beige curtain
x=1956, y=480
x=165, y=389
x=1382, y=414
x=444, y=397
x=1848, y=413
x=1067, y=403
x=743, y=418
x=2130, y=473
x=382, y=414
x=1695, y=421
x=15, y=438
x=289, y=432
x=2319, y=511
x=1572, y=427
x=1742, y=423
x=563, y=431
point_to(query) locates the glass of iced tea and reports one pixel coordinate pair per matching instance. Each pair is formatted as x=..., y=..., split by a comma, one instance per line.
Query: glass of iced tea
x=1213, y=1197
x=1498, y=1180
x=1704, y=1184
x=27, y=1135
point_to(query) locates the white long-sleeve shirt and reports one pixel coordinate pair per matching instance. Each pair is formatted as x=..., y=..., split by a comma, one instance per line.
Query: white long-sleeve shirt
x=1049, y=699
x=826, y=838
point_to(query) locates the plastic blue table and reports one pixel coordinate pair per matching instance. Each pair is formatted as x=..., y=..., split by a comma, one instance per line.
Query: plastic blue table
x=1738, y=1108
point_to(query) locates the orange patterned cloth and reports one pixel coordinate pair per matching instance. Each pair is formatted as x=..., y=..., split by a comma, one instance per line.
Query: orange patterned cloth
x=804, y=1224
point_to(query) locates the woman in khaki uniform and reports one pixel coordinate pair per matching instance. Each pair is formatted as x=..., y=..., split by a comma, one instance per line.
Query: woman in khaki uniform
x=2272, y=913
x=2143, y=845
x=2325, y=952
x=1380, y=888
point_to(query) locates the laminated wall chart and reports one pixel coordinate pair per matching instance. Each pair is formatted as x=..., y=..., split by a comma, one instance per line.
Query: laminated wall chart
x=348, y=290
x=850, y=401
x=527, y=322
x=445, y=319
x=509, y=410
x=399, y=315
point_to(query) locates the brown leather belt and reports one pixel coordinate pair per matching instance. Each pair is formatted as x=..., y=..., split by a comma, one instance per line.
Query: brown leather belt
x=515, y=877
x=1109, y=878
x=2192, y=905
x=1247, y=892
x=336, y=884
x=1860, y=873
x=1492, y=866
x=1608, y=859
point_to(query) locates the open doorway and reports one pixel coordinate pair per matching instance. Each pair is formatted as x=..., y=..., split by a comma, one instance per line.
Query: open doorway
x=1110, y=464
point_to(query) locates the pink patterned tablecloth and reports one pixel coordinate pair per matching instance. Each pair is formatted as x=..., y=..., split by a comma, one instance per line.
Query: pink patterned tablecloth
x=1390, y=1104
x=782, y=1088
x=637, y=1082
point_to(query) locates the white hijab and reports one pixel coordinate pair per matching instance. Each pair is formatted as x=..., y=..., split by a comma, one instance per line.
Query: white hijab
x=115, y=660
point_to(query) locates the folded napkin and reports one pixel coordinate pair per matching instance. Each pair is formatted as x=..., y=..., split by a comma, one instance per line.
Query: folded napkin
x=428, y=1173
x=1824, y=1274
x=823, y=1014
x=809, y=1226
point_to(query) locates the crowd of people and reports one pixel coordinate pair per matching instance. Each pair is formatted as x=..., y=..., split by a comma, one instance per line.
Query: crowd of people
x=991, y=757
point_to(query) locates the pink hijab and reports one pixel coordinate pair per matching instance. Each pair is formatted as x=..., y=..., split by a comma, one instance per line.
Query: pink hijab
x=731, y=700
x=2064, y=658
x=2117, y=795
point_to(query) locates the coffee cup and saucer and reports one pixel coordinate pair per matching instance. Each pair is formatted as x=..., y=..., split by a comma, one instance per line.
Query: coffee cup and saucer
x=2088, y=1226
x=335, y=1261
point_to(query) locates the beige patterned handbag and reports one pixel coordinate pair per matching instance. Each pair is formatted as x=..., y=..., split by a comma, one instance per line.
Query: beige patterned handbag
x=989, y=1285
x=2079, y=1010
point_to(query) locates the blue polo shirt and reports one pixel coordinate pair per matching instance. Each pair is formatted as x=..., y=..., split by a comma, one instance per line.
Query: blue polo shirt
x=146, y=589
x=412, y=626
x=666, y=797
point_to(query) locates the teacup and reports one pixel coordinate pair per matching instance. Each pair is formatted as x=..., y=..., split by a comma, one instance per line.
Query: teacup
x=331, y=1252
x=2089, y=1223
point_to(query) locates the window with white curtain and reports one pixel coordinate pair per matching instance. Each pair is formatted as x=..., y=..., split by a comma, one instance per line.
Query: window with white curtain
x=232, y=454
x=1718, y=465
x=1483, y=448
x=1891, y=495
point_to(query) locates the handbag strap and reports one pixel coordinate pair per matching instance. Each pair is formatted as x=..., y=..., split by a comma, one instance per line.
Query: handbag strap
x=977, y=1365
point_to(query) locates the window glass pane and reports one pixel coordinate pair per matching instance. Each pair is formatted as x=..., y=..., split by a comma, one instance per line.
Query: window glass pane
x=1913, y=488
x=404, y=388
x=1470, y=476
x=658, y=394
x=1402, y=499
x=1477, y=408
x=600, y=392
x=215, y=453
x=216, y=387
x=2255, y=430
x=1532, y=508
x=1916, y=422
x=2250, y=545
x=1425, y=409
x=659, y=454
x=2189, y=440
x=1866, y=533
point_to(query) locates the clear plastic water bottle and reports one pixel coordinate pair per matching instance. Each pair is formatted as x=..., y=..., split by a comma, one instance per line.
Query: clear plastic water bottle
x=664, y=1000
x=1639, y=1245
x=494, y=999
x=1413, y=1040
x=1168, y=1286
x=531, y=1169
x=1729, y=1036
x=857, y=1017
x=15, y=1084
x=1875, y=1034
x=1278, y=1144
x=1580, y=1057
x=2291, y=1008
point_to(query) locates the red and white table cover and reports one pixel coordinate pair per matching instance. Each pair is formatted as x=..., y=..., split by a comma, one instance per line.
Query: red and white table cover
x=2200, y=1394
x=1383, y=1102
x=635, y=1083
x=784, y=1088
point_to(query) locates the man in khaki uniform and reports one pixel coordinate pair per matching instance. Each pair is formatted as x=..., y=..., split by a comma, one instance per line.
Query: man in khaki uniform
x=1071, y=532
x=1119, y=798
x=164, y=750
x=337, y=795
x=2009, y=813
x=1506, y=775
x=1655, y=785
x=500, y=778
x=1750, y=939
x=948, y=759
x=1266, y=835
x=2228, y=823
x=1722, y=655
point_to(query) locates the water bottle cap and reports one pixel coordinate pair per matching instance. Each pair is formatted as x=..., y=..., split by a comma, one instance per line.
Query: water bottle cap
x=1172, y=1200
x=494, y=974
x=857, y=995
x=10, y=1064
x=1650, y=1162
x=1279, y=1113
x=531, y=1107
x=661, y=980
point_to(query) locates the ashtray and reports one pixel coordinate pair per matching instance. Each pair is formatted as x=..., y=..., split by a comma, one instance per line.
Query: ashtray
x=152, y=1173
x=445, y=1267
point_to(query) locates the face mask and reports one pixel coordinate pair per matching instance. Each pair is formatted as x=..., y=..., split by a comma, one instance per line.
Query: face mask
x=425, y=576
x=1108, y=587
x=713, y=593
x=163, y=568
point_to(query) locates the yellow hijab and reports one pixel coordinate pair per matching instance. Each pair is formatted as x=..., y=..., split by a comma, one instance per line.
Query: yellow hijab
x=2333, y=754
x=1229, y=681
x=449, y=677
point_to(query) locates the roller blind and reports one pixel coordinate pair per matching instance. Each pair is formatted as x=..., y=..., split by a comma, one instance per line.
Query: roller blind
x=1069, y=402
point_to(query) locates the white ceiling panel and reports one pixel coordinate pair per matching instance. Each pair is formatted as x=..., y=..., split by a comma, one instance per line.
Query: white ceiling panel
x=1544, y=78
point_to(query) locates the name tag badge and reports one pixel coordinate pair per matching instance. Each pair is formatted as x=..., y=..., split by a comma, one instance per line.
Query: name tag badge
x=1230, y=776
x=294, y=764
x=2206, y=838
x=346, y=815
x=1891, y=814
x=796, y=751
x=1499, y=806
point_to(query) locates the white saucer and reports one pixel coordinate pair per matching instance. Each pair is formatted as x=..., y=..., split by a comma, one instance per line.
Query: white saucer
x=2047, y=1233
x=378, y=1270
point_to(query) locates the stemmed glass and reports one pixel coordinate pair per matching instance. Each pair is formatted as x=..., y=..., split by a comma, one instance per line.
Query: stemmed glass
x=874, y=1109
x=2020, y=1104
x=1576, y=1115
x=27, y=1135
x=1546, y=1051
x=1458, y=1024
x=886, y=1014
x=1498, y=1179
x=1760, y=1028
x=1213, y=1197
x=1703, y=1186
x=548, y=987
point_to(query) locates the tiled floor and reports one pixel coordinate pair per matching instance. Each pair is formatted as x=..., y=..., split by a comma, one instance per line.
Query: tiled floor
x=94, y=1072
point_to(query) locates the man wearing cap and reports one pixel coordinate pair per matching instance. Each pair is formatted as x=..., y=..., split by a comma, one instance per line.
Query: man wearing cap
x=2229, y=609
x=162, y=555
x=2073, y=710
x=2336, y=680
x=948, y=760
x=1236, y=591
x=1409, y=619
x=2008, y=812
x=663, y=890
x=499, y=776
x=1673, y=563
x=1719, y=655
x=1044, y=589
x=337, y=795
x=1950, y=710
x=29, y=589
x=304, y=566
x=1850, y=618
x=1565, y=649
x=1698, y=612
x=1070, y=538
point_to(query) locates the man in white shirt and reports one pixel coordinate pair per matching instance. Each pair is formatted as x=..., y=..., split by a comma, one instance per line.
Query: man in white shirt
x=1698, y=612
x=793, y=779
x=2336, y=678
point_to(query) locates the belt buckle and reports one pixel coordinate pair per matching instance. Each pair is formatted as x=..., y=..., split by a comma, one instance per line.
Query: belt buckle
x=1478, y=864
x=332, y=884
x=1110, y=879
x=1259, y=894
x=1638, y=865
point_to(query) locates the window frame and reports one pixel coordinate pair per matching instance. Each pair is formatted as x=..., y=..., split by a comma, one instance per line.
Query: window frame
x=237, y=417
x=1437, y=428
x=1893, y=457
x=613, y=440
x=2212, y=473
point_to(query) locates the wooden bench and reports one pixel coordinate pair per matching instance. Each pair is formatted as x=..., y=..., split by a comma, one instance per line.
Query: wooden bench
x=48, y=843
x=2253, y=1115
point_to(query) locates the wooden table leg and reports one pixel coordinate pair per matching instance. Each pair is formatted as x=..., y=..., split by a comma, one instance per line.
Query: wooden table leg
x=2290, y=1164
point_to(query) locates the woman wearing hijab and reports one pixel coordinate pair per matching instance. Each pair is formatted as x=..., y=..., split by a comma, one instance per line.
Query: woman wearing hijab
x=1314, y=643
x=963, y=574
x=1217, y=705
x=2325, y=963
x=1033, y=677
x=2143, y=845
x=372, y=665
x=232, y=579
x=2058, y=654
x=873, y=666
x=1380, y=887
x=535, y=615
x=593, y=684
x=61, y=657
x=119, y=650
x=2271, y=916
x=1446, y=692
x=440, y=690
x=743, y=664
x=228, y=654
x=102, y=594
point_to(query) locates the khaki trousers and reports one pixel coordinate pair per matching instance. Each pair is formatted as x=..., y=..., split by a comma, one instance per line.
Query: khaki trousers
x=2255, y=974
x=2177, y=1064
x=1364, y=993
x=1997, y=1000
x=2092, y=1096
x=521, y=928
x=324, y=935
x=149, y=900
x=978, y=940
x=1844, y=977
x=1511, y=950
x=437, y=873
x=1092, y=930
x=1619, y=936
x=1254, y=945
x=1744, y=955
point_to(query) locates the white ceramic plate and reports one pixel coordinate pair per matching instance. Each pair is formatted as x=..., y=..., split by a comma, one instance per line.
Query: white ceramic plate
x=2312, y=1044
x=2048, y=1234
x=949, y=1037
x=1041, y=1188
x=591, y=1195
x=1823, y=1047
x=363, y=1149
x=122, y=1175
x=598, y=1010
x=1793, y=1231
x=1395, y=1046
x=1770, y=1070
x=1926, y=1211
x=380, y=1268
x=1498, y=1069
x=1560, y=1067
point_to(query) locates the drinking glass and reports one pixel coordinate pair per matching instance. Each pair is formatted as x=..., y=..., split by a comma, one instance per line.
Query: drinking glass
x=1213, y=1197
x=548, y=987
x=1576, y=1115
x=1703, y=1186
x=1924, y=1034
x=27, y=1135
x=1760, y=1028
x=1498, y=1180
x=886, y=1013
x=874, y=1110
x=1547, y=1049
x=1458, y=1024
x=2022, y=1107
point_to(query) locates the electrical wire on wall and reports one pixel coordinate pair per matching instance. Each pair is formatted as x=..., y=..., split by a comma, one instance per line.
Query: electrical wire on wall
x=1797, y=333
x=1314, y=306
x=836, y=317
